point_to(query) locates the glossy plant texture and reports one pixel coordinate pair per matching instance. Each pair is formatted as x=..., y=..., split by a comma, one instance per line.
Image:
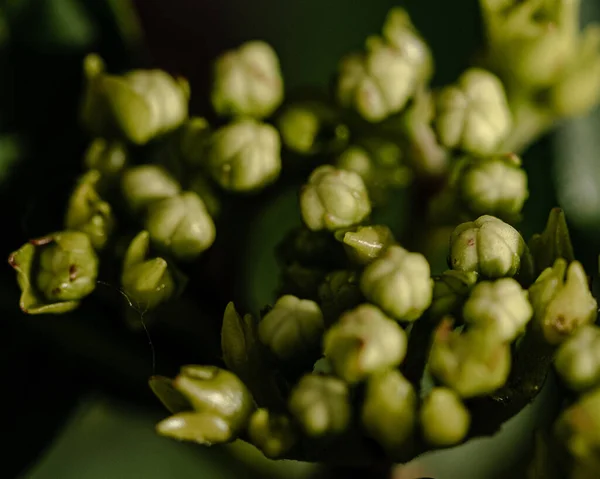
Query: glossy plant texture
x=333, y=369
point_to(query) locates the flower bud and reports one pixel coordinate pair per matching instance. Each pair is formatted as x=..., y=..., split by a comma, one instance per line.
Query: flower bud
x=500, y=307
x=450, y=291
x=273, y=434
x=146, y=282
x=473, y=115
x=339, y=292
x=444, y=418
x=474, y=363
x=553, y=243
x=333, y=199
x=578, y=359
x=321, y=405
x=495, y=185
x=201, y=185
x=181, y=225
x=378, y=82
x=108, y=157
x=562, y=301
x=194, y=139
x=145, y=184
x=222, y=406
x=364, y=244
x=309, y=128
x=399, y=282
x=488, y=246
x=292, y=328
x=244, y=155
x=389, y=410
x=364, y=341
x=55, y=272
x=88, y=213
x=137, y=106
x=247, y=81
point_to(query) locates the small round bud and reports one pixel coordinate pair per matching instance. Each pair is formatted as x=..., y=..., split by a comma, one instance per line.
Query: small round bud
x=145, y=184
x=474, y=115
x=194, y=138
x=578, y=359
x=366, y=243
x=339, y=292
x=364, y=341
x=244, y=156
x=562, y=301
x=181, y=225
x=321, y=405
x=488, y=246
x=247, y=81
x=444, y=418
x=334, y=199
x=450, y=291
x=292, y=328
x=501, y=307
x=399, y=282
x=273, y=434
x=108, y=157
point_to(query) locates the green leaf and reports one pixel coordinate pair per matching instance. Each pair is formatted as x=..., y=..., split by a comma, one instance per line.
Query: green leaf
x=171, y=398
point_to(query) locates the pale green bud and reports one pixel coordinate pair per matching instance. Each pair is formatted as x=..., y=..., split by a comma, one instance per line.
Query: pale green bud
x=145, y=184
x=553, y=243
x=364, y=341
x=181, y=225
x=444, y=418
x=333, y=199
x=247, y=81
x=578, y=359
x=221, y=404
x=88, y=212
x=474, y=363
x=474, y=115
x=293, y=327
x=450, y=291
x=399, y=282
x=194, y=139
x=321, y=405
x=501, y=307
x=339, y=292
x=366, y=243
x=108, y=157
x=562, y=301
x=488, y=246
x=245, y=155
x=273, y=434
x=389, y=410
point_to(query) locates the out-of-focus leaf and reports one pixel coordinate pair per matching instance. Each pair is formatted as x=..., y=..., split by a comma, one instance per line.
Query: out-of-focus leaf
x=11, y=152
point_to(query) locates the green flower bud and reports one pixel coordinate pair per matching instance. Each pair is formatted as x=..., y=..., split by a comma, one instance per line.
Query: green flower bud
x=474, y=115
x=245, y=155
x=364, y=341
x=339, y=292
x=181, y=225
x=378, y=82
x=309, y=128
x=553, y=243
x=333, y=199
x=495, y=185
x=194, y=139
x=399, y=282
x=488, y=246
x=55, y=272
x=147, y=282
x=578, y=429
x=301, y=281
x=444, y=418
x=321, y=405
x=108, y=157
x=200, y=185
x=389, y=410
x=562, y=301
x=293, y=327
x=247, y=81
x=138, y=106
x=450, y=291
x=222, y=406
x=474, y=363
x=366, y=243
x=323, y=367
x=501, y=307
x=88, y=213
x=578, y=359
x=273, y=434
x=145, y=184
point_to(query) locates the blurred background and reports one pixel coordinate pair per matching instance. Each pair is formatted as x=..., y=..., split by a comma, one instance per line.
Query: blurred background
x=75, y=386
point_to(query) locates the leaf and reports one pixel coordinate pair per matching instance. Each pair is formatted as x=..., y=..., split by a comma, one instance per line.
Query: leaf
x=173, y=400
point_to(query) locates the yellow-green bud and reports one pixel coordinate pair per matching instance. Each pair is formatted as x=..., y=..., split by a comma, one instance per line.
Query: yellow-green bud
x=444, y=418
x=145, y=184
x=108, y=157
x=364, y=341
x=578, y=359
x=194, y=139
x=399, y=282
x=366, y=243
x=450, y=290
x=273, y=434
